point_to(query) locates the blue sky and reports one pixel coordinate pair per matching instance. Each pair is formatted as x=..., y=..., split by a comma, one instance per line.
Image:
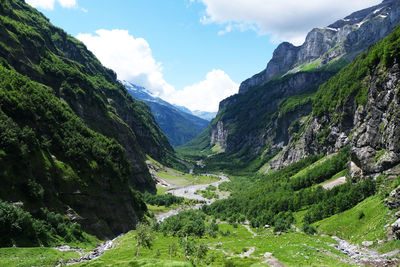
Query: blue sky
x=191, y=52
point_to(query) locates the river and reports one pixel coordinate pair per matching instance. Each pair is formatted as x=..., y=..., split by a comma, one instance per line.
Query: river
x=188, y=192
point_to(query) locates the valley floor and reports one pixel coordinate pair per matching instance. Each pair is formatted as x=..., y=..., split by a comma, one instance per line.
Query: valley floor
x=344, y=239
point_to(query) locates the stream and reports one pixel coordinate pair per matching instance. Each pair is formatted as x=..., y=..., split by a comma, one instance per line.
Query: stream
x=188, y=192
x=365, y=256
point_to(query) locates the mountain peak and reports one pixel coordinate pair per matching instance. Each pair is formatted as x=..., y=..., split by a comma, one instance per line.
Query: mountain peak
x=344, y=39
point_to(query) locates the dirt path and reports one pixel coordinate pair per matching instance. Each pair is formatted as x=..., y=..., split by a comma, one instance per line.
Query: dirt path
x=334, y=183
x=250, y=231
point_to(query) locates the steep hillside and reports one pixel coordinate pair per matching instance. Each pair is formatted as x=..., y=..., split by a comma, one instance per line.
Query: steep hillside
x=273, y=105
x=72, y=140
x=180, y=127
x=344, y=39
x=358, y=107
x=50, y=159
x=34, y=47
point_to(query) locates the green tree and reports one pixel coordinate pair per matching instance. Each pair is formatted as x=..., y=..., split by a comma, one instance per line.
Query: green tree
x=144, y=237
x=172, y=250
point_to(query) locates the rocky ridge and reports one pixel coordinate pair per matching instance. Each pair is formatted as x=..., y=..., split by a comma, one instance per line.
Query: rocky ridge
x=371, y=130
x=274, y=105
x=344, y=39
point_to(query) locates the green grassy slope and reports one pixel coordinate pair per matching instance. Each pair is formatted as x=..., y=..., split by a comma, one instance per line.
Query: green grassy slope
x=73, y=140
x=50, y=158
x=32, y=46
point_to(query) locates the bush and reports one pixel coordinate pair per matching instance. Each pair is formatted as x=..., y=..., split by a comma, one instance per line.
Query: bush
x=309, y=229
x=162, y=200
x=186, y=223
x=18, y=227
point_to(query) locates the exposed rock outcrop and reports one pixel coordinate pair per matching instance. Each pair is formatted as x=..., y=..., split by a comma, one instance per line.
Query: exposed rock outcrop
x=371, y=129
x=255, y=122
x=219, y=135
x=345, y=38
x=393, y=200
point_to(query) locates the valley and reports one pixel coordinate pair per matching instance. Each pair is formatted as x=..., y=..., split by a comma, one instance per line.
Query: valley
x=300, y=168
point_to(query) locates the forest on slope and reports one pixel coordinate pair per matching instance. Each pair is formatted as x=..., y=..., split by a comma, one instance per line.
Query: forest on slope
x=73, y=141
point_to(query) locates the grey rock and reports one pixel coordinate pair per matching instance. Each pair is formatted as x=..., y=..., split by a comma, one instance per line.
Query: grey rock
x=345, y=38
x=396, y=229
x=219, y=135
x=393, y=200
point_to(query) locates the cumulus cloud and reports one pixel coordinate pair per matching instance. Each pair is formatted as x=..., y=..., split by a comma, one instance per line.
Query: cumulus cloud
x=131, y=58
x=49, y=4
x=284, y=20
x=206, y=94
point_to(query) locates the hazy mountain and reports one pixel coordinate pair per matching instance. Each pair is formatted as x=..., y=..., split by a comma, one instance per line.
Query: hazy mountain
x=179, y=126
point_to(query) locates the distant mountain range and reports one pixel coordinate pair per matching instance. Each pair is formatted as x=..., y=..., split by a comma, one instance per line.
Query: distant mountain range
x=208, y=116
x=178, y=123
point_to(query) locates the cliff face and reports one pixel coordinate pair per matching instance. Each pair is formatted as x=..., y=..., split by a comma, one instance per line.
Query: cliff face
x=255, y=119
x=366, y=117
x=273, y=106
x=345, y=38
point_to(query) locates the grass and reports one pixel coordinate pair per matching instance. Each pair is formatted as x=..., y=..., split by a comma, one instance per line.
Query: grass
x=156, y=210
x=338, y=175
x=22, y=257
x=292, y=249
x=217, y=148
x=349, y=226
x=161, y=190
x=312, y=166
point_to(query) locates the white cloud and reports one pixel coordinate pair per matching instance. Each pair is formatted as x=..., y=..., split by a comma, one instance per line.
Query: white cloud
x=131, y=58
x=49, y=4
x=285, y=20
x=206, y=94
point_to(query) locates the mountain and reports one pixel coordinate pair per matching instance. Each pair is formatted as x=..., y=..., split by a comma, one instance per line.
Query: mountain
x=359, y=107
x=180, y=127
x=342, y=159
x=205, y=114
x=73, y=141
x=273, y=105
x=342, y=40
x=208, y=116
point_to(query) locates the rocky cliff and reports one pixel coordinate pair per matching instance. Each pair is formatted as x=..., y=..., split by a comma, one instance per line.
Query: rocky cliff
x=364, y=114
x=273, y=106
x=344, y=39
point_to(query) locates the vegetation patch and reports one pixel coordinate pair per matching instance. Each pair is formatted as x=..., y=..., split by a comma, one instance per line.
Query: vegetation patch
x=365, y=222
